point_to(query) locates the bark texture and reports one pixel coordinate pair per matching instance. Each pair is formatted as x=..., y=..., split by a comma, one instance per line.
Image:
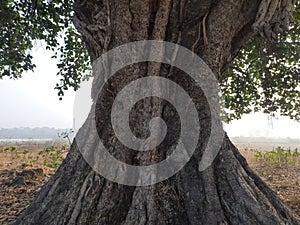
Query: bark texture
x=228, y=192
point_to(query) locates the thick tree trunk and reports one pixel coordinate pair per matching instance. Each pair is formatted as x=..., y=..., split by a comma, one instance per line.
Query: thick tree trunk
x=227, y=192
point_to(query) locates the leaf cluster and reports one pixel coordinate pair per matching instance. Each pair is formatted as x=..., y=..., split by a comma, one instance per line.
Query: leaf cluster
x=264, y=76
x=25, y=22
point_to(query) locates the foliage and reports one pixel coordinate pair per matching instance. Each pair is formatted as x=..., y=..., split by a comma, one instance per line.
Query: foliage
x=279, y=158
x=51, y=156
x=10, y=149
x=264, y=76
x=13, y=150
x=24, y=22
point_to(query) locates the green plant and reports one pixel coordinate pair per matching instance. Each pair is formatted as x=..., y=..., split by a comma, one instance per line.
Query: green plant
x=259, y=155
x=280, y=157
x=12, y=150
x=52, y=156
x=25, y=152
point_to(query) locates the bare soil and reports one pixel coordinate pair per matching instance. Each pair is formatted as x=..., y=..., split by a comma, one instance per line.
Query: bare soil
x=19, y=183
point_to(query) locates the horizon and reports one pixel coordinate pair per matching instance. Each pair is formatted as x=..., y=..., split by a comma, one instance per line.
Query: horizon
x=231, y=136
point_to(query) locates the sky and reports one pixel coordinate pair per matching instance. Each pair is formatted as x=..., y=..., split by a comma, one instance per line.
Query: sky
x=32, y=101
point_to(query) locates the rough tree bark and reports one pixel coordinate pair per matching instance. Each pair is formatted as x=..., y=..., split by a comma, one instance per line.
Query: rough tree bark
x=228, y=192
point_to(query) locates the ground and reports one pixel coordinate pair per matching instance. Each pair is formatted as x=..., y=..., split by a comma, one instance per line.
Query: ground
x=25, y=168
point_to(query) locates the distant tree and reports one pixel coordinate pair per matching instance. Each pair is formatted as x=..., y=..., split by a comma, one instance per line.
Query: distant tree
x=227, y=192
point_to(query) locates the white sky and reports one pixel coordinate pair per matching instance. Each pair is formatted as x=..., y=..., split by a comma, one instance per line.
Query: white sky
x=261, y=125
x=33, y=102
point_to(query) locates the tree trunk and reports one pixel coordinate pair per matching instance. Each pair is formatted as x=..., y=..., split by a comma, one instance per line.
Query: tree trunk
x=227, y=192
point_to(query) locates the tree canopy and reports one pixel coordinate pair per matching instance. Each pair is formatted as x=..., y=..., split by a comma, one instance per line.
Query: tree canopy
x=263, y=77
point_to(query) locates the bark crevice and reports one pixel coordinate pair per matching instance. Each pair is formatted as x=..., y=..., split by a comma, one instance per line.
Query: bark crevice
x=228, y=192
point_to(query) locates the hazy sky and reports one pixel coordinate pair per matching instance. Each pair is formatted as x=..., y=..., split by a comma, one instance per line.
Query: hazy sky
x=33, y=102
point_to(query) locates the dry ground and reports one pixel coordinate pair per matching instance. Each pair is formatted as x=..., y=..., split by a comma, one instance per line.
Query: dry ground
x=22, y=175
